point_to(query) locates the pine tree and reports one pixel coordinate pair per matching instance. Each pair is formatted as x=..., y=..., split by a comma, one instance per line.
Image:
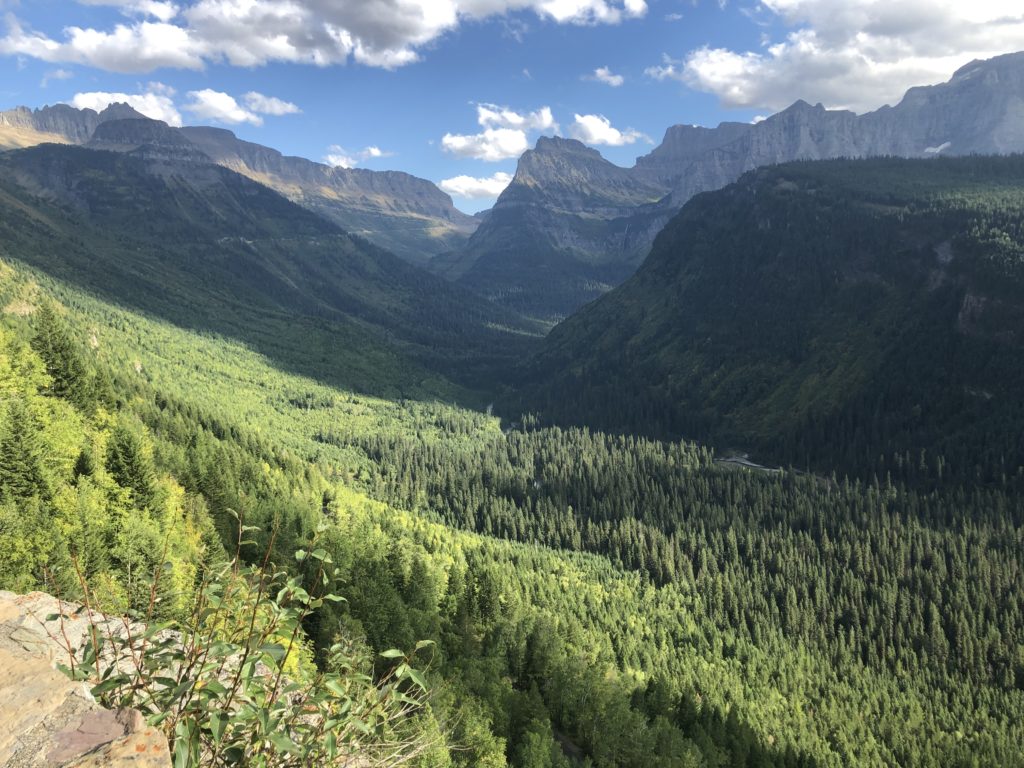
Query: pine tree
x=68, y=373
x=129, y=465
x=21, y=468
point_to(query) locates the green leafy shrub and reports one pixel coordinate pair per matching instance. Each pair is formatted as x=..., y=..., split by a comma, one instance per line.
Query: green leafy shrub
x=234, y=683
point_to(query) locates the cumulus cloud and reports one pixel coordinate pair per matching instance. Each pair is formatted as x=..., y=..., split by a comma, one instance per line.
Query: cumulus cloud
x=220, y=107
x=339, y=157
x=598, y=129
x=377, y=33
x=604, y=75
x=269, y=105
x=493, y=116
x=493, y=144
x=156, y=102
x=477, y=188
x=139, y=47
x=505, y=135
x=857, y=54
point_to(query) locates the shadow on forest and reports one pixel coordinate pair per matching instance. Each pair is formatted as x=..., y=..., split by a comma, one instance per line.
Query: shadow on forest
x=233, y=258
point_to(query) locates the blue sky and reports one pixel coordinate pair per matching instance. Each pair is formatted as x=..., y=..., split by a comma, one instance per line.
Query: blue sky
x=451, y=90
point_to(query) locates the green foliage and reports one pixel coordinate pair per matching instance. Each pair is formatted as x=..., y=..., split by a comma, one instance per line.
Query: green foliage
x=829, y=315
x=64, y=364
x=594, y=599
x=129, y=465
x=225, y=688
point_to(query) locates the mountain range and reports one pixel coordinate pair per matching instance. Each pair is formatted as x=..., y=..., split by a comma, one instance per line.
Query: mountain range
x=142, y=217
x=823, y=314
x=409, y=216
x=571, y=224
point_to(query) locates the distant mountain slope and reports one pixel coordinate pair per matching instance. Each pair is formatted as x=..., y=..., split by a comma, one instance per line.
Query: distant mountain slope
x=527, y=252
x=158, y=227
x=407, y=215
x=544, y=248
x=819, y=313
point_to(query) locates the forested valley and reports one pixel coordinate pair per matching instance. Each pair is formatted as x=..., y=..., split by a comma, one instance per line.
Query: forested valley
x=571, y=597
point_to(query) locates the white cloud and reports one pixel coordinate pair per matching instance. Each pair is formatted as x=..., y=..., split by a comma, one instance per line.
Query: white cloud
x=209, y=104
x=139, y=47
x=597, y=129
x=492, y=144
x=505, y=135
x=493, y=116
x=156, y=102
x=476, y=188
x=339, y=157
x=269, y=105
x=377, y=33
x=604, y=75
x=55, y=74
x=857, y=54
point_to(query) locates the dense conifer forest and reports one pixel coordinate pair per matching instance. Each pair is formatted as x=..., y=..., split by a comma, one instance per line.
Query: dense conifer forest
x=587, y=598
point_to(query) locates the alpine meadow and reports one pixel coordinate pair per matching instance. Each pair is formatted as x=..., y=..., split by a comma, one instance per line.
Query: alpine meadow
x=708, y=454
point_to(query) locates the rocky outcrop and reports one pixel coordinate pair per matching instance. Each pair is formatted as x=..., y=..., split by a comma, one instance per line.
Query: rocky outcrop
x=61, y=124
x=149, y=139
x=566, y=199
x=46, y=719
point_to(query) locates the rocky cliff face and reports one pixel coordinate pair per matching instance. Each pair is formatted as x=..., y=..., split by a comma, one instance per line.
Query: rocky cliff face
x=561, y=234
x=407, y=215
x=46, y=719
x=149, y=139
x=567, y=199
x=60, y=124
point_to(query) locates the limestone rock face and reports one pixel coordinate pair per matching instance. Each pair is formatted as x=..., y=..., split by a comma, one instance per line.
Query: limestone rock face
x=46, y=719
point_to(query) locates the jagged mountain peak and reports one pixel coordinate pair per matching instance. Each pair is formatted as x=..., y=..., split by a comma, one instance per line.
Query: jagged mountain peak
x=567, y=198
x=1008, y=61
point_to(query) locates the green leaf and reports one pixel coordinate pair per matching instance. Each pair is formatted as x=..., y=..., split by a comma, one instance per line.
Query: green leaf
x=392, y=653
x=283, y=743
x=417, y=678
x=186, y=744
x=218, y=722
x=276, y=651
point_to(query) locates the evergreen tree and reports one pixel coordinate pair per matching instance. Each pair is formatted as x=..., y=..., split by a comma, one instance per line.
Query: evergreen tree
x=68, y=372
x=21, y=469
x=130, y=466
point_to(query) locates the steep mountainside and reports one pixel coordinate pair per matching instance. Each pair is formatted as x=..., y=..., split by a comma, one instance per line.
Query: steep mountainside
x=409, y=216
x=158, y=227
x=819, y=313
x=526, y=241
x=543, y=249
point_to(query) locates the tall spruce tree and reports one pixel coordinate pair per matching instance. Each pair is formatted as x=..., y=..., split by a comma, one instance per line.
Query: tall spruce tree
x=68, y=372
x=21, y=468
